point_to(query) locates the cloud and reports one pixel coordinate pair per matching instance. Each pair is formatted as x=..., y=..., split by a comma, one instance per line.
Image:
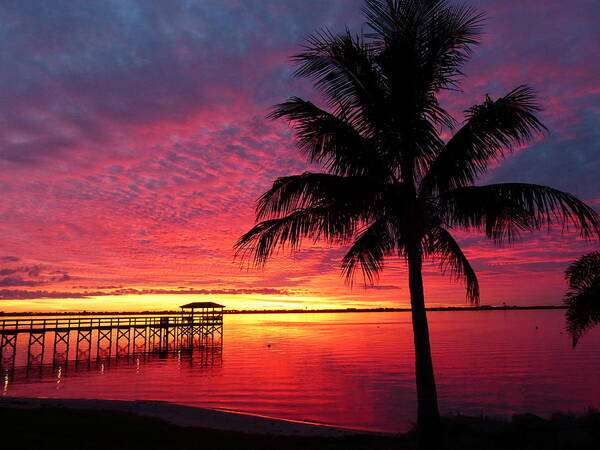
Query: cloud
x=384, y=287
x=18, y=281
x=16, y=294
x=32, y=271
x=4, y=259
x=35, y=275
x=133, y=141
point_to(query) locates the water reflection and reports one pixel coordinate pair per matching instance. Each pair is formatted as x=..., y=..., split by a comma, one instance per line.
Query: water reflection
x=352, y=369
x=204, y=354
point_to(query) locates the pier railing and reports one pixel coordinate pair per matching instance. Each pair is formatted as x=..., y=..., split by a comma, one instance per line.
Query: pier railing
x=38, y=325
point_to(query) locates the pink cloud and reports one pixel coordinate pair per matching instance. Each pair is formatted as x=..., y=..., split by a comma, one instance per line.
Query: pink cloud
x=135, y=159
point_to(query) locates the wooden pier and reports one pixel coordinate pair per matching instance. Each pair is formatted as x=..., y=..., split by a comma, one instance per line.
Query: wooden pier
x=199, y=325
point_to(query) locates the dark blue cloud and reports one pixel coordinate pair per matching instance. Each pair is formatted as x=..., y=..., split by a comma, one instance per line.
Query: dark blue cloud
x=70, y=72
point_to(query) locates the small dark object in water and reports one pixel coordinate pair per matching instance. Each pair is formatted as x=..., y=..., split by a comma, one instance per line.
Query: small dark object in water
x=269, y=345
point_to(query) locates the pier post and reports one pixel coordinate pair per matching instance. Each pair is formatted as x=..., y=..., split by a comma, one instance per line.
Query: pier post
x=8, y=341
x=154, y=333
x=170, y=335
x=60, y=337
x=123, y=333
x=139, y=333
x=104, y=335
x=84, y=337
x=36, y=339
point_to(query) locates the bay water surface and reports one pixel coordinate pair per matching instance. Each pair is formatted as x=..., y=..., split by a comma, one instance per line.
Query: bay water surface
x=352, y=369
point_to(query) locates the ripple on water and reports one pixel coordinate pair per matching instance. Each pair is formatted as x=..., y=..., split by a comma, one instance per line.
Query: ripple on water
x=356, y=369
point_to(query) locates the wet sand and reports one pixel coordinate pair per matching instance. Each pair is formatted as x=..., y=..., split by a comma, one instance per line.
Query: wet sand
x=189, y=416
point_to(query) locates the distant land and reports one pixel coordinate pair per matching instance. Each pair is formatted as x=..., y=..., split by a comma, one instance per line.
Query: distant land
x=290, y=311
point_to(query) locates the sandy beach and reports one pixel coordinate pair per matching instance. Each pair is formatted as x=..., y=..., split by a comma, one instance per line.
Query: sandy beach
x=189, y=416
x=130, y=425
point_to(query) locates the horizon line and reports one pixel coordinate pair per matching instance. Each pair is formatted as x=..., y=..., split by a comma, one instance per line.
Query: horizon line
x=292, y=311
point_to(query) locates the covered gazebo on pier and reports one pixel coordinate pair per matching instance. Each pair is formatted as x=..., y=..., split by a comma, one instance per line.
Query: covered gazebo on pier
x=201, y=319
x=205, y=311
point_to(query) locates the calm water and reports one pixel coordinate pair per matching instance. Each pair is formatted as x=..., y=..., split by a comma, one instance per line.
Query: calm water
x=356, y=369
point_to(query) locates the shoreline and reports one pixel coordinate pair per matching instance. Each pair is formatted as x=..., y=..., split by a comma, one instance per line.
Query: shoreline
x=73, y=424
x=292, y=311
x=193, y=416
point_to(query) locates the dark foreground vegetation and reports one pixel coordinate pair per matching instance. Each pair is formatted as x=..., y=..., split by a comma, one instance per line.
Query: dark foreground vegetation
x=65, y=429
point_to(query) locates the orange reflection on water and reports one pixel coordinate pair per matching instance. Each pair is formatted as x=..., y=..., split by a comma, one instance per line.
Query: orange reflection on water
x=356, y=369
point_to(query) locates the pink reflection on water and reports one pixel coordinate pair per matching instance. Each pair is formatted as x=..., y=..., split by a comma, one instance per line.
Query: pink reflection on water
x=356, y=369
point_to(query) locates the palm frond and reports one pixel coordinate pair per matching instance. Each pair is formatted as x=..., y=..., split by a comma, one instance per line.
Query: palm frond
x=323, y=222
x=432, y=38
x=584, y=272
x=427, y=145
x=583, y=310
x=291, y=193
x=441, y=246
x=329, y=139
x=491, y=129
x=420, y=47
x=373, y=243
x=503, y=211
x=342, y=68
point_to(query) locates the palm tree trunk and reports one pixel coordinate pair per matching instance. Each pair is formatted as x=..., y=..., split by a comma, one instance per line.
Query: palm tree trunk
x=428, y=416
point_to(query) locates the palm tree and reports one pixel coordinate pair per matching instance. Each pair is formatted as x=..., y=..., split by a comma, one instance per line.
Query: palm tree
x=391, y=186
x=583, y=296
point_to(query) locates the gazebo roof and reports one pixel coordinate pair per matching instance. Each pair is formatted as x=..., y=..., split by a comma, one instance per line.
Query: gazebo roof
x=199, y=305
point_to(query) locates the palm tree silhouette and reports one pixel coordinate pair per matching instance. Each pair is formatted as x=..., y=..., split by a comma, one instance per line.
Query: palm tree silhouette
x=583, y=296
x=391, y=185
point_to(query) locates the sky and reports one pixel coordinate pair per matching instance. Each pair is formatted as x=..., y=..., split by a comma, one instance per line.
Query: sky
x=134, y=143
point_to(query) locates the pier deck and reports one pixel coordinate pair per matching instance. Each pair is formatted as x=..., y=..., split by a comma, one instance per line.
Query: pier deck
x=198, y=325
x=105, y=323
